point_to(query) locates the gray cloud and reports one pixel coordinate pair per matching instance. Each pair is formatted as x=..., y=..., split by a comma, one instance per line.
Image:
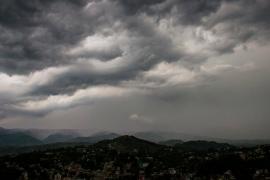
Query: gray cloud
x=164, y=50
x=33, y=33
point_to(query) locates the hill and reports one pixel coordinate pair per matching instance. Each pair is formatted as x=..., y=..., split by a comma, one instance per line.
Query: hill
x=203, y=146
x=95, y=138
x=18, y=139
x=54, y=138
x=130, y=144
x=3, y=131
x=171, y=142
x=157, y=136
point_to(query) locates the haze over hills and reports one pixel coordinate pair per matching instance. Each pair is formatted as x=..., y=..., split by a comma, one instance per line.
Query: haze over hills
x=124, y=144
x=58, y=137
x=18, y=137
x=44, y=133
x=96, y=137
x=157, y=136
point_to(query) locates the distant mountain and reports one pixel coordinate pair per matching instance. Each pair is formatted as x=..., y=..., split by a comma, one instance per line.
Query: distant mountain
x=150, y=136
x=203, y=146
x=129, y=144
x=18, y=139
x=198, y=145
x=5, y=150
x=3, y=131
x=44, y=133
x=248, y=143
x=95, y=138
x=157, y=136
x=14, y=137
x=87, y=136
x=171, y=142
x=54, y=138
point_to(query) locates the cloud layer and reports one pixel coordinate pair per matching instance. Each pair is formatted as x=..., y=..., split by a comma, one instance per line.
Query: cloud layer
x=58, y=55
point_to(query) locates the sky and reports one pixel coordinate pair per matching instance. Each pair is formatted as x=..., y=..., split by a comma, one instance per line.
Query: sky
x=191, y=66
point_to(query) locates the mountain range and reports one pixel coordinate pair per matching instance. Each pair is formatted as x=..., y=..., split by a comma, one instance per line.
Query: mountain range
x=32, y=137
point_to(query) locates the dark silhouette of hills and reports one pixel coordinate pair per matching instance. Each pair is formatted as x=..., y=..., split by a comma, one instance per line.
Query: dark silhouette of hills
x=15, y=137
x=171, y=142
x=157, y=136
x=18, y=139
x=58, y=137
x=128, y=157
x=54, y=138
x=128, y=143
x=3, y=131
x=95, y=138
x=30, y=137
x=202, y=146
x=16, y=143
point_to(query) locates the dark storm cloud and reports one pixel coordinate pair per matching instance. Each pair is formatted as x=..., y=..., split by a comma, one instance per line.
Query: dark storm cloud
x=187, y=12
x=132, y=7
x=25, y=14
x=246, y=20
x=127, y=39
x=247, y=12
x=71, y=82
x=33, y=32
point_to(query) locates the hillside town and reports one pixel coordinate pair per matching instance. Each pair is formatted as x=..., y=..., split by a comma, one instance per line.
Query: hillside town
x=127, y=157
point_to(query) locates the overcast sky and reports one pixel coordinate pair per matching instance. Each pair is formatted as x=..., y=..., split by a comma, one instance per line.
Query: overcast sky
x=193, y=66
